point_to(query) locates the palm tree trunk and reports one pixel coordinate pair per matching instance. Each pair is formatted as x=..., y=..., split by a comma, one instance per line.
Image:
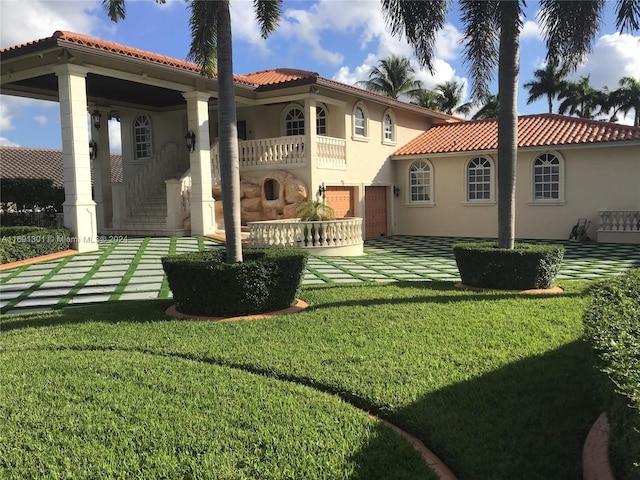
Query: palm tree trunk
x=228, y=137
x=550, y=98
x=508, y=70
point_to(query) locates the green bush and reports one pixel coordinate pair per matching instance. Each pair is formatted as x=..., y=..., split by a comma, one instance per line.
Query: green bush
x=20, y=243
x=29, y=193
x=202, y=283
x=527, y=266
x=612, y=327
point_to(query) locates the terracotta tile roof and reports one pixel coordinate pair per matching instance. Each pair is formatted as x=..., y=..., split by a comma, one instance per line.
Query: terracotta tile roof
x=533, y=131
x=278, y=75
x=43, y=163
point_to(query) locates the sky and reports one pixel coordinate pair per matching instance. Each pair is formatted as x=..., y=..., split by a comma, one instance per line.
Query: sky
x=339, y=39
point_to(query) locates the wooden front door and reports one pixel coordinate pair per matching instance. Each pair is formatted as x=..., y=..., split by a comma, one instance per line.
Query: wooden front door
x=341, y=199
x=375, y=212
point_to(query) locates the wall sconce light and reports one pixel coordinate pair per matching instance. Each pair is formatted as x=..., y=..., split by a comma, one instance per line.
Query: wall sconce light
x=190, y=141
x=96, y=118
x=396, y=191
x=322, y=191
x=93, y=150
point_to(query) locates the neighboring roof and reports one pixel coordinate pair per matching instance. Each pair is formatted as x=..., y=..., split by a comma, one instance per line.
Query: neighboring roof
x=544, y=130
x=24, y=162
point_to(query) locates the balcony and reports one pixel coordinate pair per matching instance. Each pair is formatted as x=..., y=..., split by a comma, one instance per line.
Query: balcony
x=288, y=152
x=619, y=226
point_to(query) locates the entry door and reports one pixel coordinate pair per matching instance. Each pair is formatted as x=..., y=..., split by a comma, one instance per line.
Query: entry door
x=341, y=199
x=375, y=212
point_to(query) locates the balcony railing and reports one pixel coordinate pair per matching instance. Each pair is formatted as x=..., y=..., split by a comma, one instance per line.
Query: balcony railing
x=289, y=152
x=619, y=226
x=338, y=237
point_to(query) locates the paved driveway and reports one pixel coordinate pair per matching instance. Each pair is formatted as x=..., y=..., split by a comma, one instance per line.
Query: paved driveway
x=131, y=269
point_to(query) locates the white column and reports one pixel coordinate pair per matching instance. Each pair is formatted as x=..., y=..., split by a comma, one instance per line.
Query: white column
x=79, y=208
x=311, y=148
x=102, y=171
x=202, y=203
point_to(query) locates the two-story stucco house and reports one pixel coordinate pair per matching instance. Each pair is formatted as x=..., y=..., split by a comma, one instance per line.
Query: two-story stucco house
x=404, y=169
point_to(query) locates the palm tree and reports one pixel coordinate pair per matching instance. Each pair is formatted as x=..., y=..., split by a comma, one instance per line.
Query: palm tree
x=426, y=98
x=627, y=97
x=549, y=81
x=489, y=109
x=211, y=48
x=491, y=38
x=394, y=76
x=581, y=99
x=451, y=97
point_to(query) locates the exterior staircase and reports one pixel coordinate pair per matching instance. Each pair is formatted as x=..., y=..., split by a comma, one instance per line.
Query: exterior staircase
x=143, y=199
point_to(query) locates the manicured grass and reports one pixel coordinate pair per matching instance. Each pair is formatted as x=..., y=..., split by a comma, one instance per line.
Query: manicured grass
x=498, y=385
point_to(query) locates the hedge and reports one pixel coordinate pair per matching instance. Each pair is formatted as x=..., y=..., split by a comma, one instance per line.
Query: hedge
x=27, y=193
x=20, y=243
x=267, y=280
x=526, y=266
x=612, y=327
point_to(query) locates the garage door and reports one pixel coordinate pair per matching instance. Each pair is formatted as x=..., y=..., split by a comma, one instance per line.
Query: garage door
x=375, y=212
x=341, y=199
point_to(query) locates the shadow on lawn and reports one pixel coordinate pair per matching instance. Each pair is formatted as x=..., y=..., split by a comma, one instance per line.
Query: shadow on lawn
x=455, y=295
x=526, y=421
x=133, y=311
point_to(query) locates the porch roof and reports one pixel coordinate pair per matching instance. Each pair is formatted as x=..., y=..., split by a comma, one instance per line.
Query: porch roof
x=543, y=130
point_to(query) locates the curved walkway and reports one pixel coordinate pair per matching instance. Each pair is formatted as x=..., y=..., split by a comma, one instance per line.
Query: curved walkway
x=132, y=270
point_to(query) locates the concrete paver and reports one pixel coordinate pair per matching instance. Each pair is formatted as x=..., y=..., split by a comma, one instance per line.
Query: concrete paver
x=132, y=269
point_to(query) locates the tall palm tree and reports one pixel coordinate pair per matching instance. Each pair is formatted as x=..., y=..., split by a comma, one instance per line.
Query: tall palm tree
x=581, y=99
x=211, y=48
x=394, y=76
x=490, y=107
x=427, y=98
x=627, y=97
x=491, y=38
x=549, y=82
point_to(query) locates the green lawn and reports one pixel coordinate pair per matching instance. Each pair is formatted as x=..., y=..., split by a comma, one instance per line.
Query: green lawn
x=498, y=385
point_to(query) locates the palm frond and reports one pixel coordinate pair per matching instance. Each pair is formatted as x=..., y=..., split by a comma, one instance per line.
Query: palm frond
x=481, y=36
x=419, y=22
x=628, y=15
x=268, y=14
x=116, y=9
x=204, y=34
x=569, y=28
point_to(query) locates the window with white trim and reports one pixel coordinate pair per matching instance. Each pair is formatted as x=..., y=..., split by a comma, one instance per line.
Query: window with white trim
x=359, y=122
x=321, y=120
x=388, y=128
x=546, y=177
x=420, y=181
x=479, y=179
x=142, y=137
x=294, y=122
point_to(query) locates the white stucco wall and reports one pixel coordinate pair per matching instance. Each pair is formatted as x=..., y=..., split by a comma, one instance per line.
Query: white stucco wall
x=594, y=178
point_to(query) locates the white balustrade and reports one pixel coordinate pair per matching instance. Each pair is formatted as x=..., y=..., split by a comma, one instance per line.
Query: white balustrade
x=332, y=153
x=287, y=151
x=619, y=226
x=337, y=237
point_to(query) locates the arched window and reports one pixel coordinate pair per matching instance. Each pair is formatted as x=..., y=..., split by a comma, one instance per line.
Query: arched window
x=479, y=180
x=420, y=181
x=321, y=120
x=359, y=121
x=388, y=128
x=294, y=122
x=142, y=137
x=546, y=177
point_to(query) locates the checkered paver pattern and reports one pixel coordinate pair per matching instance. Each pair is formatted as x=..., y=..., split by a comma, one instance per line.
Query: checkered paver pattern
x=132, y=270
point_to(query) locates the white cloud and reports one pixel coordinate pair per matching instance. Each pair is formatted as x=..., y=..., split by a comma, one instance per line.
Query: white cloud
x=5, y=142
x=6, y=116
x=614, y=56
x=531, y=31
x=245, y=26
x=115, y=140
x=41, y=119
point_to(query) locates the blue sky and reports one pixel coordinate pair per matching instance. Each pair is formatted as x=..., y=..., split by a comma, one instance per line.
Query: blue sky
x=339, y=39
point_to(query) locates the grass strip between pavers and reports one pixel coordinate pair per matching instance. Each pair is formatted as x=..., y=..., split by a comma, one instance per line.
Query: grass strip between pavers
x=131, y=270
x=35, y=286
x=87, y=276
x=173, y=247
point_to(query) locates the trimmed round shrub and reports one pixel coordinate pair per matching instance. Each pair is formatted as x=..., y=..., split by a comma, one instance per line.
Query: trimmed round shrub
x=527, y=266
x=267, y=280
